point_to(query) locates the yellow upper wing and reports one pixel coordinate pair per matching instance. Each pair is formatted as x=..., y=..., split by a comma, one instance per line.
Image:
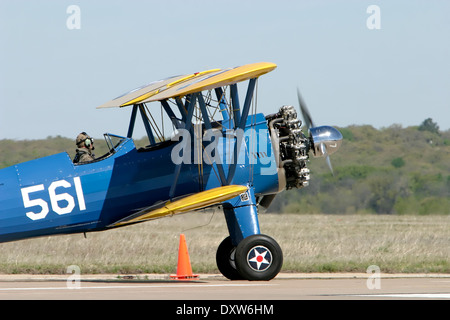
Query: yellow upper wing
x=193, y=202
x=139, y=94
x=186, y=84
x=214, y=80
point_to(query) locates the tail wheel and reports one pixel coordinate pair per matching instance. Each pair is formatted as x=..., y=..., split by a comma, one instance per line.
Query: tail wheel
x=258, y=257
x=225, y=259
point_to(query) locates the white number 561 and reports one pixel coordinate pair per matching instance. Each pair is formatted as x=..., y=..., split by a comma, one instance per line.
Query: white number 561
x=54, y=199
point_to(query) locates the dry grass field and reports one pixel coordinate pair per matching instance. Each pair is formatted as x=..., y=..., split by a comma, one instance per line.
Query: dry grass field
x=310, y=243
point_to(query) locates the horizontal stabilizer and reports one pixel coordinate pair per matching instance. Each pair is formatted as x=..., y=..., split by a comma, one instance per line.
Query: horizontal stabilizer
x=193, y=202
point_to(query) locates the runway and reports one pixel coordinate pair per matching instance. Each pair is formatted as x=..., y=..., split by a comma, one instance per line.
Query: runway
x=215, y=287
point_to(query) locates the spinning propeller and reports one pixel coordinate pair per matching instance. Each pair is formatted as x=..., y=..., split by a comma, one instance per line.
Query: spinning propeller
x=324, y=140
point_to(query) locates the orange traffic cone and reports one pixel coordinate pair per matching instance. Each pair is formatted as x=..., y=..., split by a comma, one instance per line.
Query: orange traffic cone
x=184, y=270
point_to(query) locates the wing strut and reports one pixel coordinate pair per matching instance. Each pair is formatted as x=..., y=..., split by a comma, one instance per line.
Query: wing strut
x=187, y=127
x=235, y=104
x=222, y=103
x=208, y=126
x=171, y=115
x=132, y=122
x=241, y=125
x=146, y=121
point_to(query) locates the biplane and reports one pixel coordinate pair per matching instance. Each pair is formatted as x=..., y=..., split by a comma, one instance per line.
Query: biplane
x=221, y=152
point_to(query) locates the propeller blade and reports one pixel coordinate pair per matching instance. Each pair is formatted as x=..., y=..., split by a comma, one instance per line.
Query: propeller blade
x=327, y=157
x=320, y=137
x=329, y=165
x=305, y=112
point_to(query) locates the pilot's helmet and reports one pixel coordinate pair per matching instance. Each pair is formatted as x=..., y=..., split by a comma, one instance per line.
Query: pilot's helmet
x=84, y=137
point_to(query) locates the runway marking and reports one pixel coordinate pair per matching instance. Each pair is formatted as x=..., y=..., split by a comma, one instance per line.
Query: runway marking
x=138, y=286
x=409, y=295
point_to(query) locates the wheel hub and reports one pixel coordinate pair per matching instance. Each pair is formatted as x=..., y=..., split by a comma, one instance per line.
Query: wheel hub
x=259, y=258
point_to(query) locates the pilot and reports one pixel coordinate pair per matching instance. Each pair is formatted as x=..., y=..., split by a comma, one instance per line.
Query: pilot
x=85, y=145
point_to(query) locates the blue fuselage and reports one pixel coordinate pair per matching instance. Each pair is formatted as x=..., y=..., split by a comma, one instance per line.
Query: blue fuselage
x=51, y=195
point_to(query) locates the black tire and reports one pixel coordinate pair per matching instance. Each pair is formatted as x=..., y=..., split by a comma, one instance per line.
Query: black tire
x=225, y=259
x=258, y=257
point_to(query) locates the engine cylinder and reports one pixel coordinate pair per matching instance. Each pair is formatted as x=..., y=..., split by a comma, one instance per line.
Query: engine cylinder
x=292, y=146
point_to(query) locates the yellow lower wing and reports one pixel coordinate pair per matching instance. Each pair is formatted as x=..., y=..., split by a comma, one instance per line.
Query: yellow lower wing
x=193, y=202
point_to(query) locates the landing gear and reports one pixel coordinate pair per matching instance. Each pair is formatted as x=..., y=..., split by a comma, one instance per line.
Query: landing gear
x=247, y=254
x=256, y=257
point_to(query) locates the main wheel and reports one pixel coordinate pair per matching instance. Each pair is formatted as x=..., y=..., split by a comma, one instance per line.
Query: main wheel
x=258, y=257
x=225, y=259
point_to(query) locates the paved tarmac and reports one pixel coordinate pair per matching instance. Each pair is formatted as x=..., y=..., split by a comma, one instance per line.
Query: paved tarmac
x=215, y=287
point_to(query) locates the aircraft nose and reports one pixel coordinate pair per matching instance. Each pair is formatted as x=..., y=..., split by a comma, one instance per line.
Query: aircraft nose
x=326, y=140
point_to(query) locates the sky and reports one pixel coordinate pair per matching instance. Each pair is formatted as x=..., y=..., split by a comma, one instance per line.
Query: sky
x=354, y=63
